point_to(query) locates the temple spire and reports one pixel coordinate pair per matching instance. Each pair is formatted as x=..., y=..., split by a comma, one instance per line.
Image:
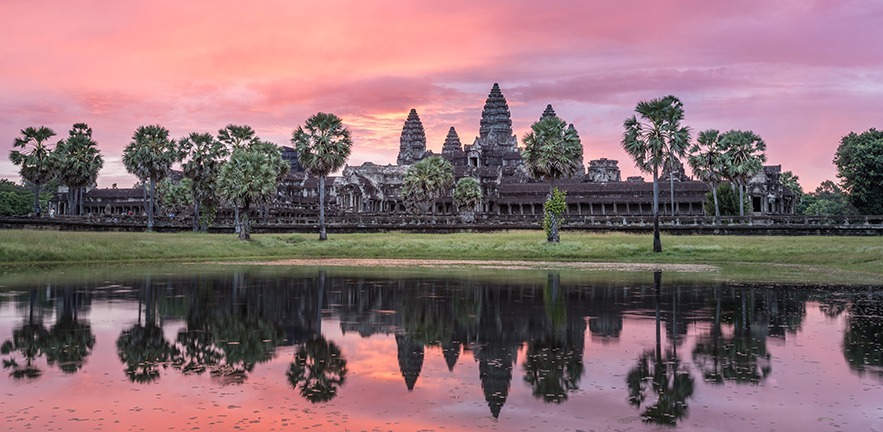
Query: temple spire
x=548, y=112
x=496, y=121
x=412, y=144
x=452, y=142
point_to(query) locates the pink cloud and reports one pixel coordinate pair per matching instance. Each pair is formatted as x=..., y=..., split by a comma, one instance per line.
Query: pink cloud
x=802, y=73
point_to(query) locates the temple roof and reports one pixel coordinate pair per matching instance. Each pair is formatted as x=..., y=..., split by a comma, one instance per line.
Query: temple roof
x=452, y=142
x=548, y=112
x=495, y=117
x=412, y=143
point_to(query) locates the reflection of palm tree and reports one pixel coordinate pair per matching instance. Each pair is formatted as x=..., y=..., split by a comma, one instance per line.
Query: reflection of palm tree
x=553, y=369
x=71, y=343
x=30, y=341
x=196, y=351
x=318, y=370
x=862, y=336
x=143, y=349
x=663, y=376
x=70, y=340
x=742, y=358
x=245, y=341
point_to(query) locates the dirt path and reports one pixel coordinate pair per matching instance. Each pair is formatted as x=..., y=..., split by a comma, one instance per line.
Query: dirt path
x=498, y=265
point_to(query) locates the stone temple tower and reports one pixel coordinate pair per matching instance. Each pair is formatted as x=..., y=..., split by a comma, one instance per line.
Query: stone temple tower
x=548, y=112
x=495, y=132
x=412, y=144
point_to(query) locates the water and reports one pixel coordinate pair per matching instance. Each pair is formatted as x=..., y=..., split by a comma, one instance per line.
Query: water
x=312, y=349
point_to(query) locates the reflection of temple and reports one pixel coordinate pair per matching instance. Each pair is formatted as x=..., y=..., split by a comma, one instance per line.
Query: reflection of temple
x=482, y=321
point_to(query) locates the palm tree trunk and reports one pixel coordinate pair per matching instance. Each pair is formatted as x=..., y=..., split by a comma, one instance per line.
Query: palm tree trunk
x=657, y=242
x=237, y=227
x=195, y=215
x=671, y=180
x=71, y=202
x=37, y=199
x=82, y=192
x=717, y=210
x=150, y=207
x=244, y=233
x=144, y=193
x=741, y=201
x=322, y=235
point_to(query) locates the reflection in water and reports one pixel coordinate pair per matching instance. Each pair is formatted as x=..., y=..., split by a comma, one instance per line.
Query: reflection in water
x=663, y=377
x=554, y=362
x=223, y=327
x=863, y=337
x=66, y=345
x=143, y=348
x=318, y=370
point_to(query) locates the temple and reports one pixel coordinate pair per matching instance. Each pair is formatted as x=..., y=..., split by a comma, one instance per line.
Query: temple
x=495, y=161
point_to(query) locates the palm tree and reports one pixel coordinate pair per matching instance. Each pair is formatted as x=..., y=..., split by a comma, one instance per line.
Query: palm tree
x=552, y=150
x=234, y=137
x=149, y=156
x=653, y=138
x=79, y=161
x=36, y=159
x=743, y=158
x=250, y=177
x=426, y=181
x=203, y=155
x=467, y=197
x=707, y=162
x=318, y=369
x=323, y=145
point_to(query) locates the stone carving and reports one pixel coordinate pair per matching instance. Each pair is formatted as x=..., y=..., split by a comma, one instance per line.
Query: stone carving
x=679, y=174
x=603, y=170
x=412, y=144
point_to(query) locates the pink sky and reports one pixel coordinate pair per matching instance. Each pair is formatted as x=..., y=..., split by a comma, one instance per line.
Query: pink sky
x=801, y=73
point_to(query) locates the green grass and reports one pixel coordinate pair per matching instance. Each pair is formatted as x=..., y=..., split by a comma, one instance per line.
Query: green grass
x=744, y=255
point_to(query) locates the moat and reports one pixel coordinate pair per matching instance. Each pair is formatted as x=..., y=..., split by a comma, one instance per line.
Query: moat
x=255, y=348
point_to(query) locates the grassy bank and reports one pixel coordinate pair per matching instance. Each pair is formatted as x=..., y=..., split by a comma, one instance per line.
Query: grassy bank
x=858, y=254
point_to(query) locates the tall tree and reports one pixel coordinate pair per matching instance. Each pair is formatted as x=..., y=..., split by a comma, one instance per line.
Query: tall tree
x=323, y=145
x=202, y=156
x=234, y=137
x=36, y=159
x=250, y=177
x=79, y=161
x=707, y=162
x=743, y=158
x=652, y=138
x=827, y=200
x=552, y=150
x=859, y=161
x=426, y=181
x=149, y=156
